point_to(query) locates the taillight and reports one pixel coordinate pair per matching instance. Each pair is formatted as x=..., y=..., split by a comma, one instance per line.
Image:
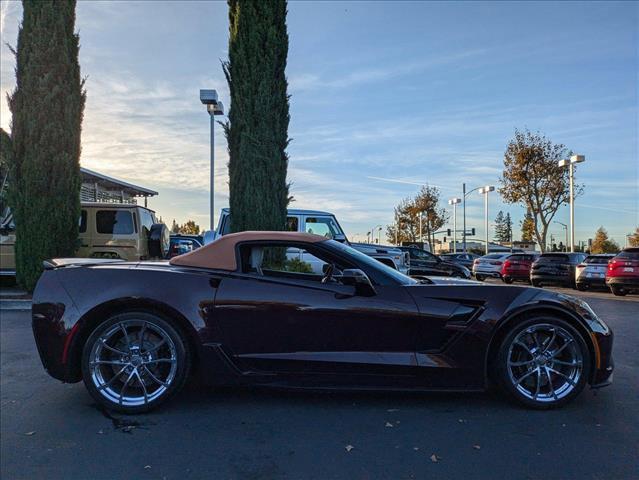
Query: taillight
x=581, y=265
x=476, y=261
x=507, y=264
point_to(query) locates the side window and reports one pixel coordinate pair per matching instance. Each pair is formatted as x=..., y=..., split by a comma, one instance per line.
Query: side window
x=226, y=225
x=83, y=221
x=146, y=219
x=114, y=222
x=322, y=226
x=286, y=261
x=292, y=224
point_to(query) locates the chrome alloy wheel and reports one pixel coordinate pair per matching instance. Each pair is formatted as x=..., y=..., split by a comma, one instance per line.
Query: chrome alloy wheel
x=133, y=362
x=545, y=363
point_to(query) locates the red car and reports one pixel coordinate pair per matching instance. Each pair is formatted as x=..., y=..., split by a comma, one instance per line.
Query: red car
x=517, y=267
x=622, y=275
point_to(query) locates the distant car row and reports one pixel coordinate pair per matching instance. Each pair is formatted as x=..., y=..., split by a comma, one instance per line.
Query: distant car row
x=618, y=272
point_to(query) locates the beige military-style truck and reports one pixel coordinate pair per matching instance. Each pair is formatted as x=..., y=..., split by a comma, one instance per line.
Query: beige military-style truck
x=107, y=230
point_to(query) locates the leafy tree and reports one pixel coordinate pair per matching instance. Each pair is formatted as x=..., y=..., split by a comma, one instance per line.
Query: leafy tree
x=434, y=217
x=190, y=228
x=633, y=239
x=407, y=214
x=602, y=244
x=527, y=228
x=257, y=127
x=175, y=228
x=47, y=107
x=503, y=227
x=533, y=178
x=406, y=226
x=499, y=226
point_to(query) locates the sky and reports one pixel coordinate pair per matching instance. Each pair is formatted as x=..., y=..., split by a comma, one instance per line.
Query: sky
x=385, y=97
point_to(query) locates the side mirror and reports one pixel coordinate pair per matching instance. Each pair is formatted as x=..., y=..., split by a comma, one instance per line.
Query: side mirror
x=358, y=279
x=340, y=238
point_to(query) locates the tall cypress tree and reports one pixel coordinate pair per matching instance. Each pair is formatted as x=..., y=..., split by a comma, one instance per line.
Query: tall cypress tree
x=47, y=107
x=257, y=127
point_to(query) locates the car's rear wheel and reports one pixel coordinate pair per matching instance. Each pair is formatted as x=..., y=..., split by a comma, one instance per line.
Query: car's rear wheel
x=543, y=362
x=508, y=280
x=134, y=361
x=536, y=283
x=618, y=291
x=479, y=277
x=582, y=287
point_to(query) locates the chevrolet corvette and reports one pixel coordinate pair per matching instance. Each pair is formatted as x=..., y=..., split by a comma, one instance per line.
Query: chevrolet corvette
x=246, y=309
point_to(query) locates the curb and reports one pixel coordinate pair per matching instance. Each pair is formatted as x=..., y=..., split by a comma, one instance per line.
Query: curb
x=23, y=305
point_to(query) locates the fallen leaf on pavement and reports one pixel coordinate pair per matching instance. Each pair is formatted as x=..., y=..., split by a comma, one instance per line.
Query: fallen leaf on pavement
x=147, y=466
x=476, y=447
x=434, y=458
x=461, y=420
x=391, y=410
x=415, y=448
x=388, y=424
x=30, y=433
x=349, y=448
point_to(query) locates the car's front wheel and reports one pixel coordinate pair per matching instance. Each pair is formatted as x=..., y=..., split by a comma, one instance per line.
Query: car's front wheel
x=543, y=362
x=135, y=361
x=507, y=280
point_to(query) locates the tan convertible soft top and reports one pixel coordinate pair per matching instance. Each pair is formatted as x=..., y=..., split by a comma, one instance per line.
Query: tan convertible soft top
x=220, y=254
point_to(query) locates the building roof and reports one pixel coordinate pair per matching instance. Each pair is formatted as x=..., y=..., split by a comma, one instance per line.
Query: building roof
x=220, y=254
x=115, y=184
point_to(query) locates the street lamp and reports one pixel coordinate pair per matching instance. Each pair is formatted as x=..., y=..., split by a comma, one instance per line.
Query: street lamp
x=454, y=202
x=484, y=191
x=465, y=194
x=214, y=107
x=570, y=164
x=566, y=228
x=373, y=233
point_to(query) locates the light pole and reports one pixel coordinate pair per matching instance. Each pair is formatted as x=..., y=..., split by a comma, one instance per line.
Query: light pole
x=373, y=233
x=379, y=235
x=484, y=191
x=566, y=228
x=454, y=202
x=571, y=168
x=214, y=107
x=465, y=194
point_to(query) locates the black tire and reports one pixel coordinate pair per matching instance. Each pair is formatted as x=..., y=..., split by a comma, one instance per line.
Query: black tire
x=619, y=291
x=479, y=278
x=536, y=283
x=582, y=287
x=174, y=342
x=507, y=280
x=503, y=375
x=159, y=241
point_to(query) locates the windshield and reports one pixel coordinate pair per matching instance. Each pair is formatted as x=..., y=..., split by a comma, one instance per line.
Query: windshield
x=372, y=263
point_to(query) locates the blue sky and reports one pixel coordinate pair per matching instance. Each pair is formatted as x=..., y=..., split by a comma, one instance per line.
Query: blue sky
x=385, y=96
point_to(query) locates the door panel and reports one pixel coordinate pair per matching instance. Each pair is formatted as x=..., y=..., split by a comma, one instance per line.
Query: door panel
x=279, y=325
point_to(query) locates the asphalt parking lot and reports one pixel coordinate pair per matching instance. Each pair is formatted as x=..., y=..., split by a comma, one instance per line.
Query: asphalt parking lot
x=51, y=430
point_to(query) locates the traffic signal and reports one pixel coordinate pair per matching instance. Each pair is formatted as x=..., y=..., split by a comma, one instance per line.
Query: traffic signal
x=445, y=239
x=472, y=232
x=448, y=232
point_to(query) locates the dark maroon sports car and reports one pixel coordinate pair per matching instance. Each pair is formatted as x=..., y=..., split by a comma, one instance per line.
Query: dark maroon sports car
x=253, y=308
